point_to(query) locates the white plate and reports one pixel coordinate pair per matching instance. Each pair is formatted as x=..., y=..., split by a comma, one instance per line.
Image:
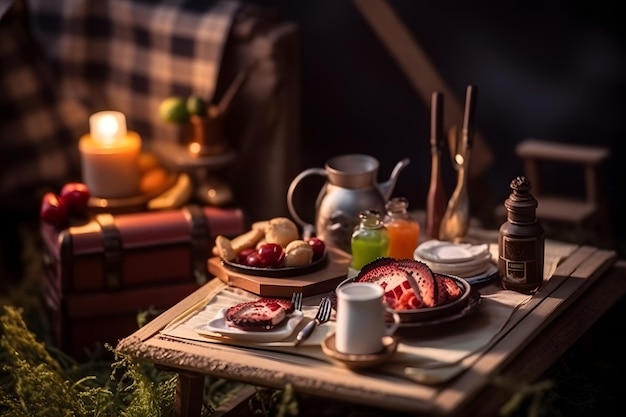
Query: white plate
x=447, y=252
x=486, y=276
x=219, y=327
x=468, y=268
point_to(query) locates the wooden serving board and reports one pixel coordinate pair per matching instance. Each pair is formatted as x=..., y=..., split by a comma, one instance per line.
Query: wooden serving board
x=318, y=282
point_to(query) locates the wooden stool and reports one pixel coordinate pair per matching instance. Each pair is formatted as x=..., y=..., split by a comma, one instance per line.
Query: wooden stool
x=589, y=214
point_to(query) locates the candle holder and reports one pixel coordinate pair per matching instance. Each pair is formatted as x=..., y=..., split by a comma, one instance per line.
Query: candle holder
x=110, y=156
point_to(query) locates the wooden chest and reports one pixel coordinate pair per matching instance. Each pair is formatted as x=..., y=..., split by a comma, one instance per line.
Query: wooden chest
x=100, y=274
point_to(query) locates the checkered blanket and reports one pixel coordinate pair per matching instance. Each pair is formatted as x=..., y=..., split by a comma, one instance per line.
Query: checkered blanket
x=36, y=134
x=61, y=60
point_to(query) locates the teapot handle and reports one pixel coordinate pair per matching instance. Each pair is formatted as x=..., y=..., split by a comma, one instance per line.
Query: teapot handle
x=308, y=227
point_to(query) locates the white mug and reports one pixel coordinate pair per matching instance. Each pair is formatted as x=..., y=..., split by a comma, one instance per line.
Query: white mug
x=361, y=319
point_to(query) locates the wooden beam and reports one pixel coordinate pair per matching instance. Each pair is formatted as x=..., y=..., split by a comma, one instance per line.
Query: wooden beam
x=422, y=74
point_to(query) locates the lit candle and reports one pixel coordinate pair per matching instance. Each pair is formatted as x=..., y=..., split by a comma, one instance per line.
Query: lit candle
x=110, y=156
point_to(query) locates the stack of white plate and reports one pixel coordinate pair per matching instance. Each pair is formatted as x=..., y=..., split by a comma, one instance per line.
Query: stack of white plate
x=471, y=262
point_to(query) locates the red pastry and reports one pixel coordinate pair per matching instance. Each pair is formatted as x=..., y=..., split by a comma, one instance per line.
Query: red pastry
x=259, y=315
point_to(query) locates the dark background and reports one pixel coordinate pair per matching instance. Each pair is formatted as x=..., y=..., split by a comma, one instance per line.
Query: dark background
x=549, y=70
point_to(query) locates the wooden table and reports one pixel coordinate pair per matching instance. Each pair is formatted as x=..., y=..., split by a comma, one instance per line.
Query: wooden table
x=584, y=286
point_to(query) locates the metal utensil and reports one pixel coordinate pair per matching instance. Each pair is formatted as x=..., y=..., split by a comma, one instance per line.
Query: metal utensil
x=455, y=221
x=296, y=299
x=322, y=316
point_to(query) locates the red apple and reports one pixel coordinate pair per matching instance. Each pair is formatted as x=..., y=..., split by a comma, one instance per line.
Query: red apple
x=253, y=260
x=76, y=196
x=318, y=246
x=53, y=210
x=271, y=255
x=243, y=255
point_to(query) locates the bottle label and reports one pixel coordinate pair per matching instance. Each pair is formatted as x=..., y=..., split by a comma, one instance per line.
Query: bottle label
x=519, y=256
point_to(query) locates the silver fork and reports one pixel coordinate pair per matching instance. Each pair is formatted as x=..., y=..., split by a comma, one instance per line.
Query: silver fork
x=322, y=316
x=296, y=299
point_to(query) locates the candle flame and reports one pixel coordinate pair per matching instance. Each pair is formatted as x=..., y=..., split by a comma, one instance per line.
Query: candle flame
x=107, y=127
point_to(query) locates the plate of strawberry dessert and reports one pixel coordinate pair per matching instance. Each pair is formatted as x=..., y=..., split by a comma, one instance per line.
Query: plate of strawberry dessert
x=262, y=320
x=419, y=295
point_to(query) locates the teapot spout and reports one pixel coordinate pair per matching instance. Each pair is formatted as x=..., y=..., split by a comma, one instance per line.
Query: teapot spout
x=386, y=188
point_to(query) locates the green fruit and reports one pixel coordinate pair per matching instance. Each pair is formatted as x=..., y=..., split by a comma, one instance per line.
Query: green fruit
x=197, y=106
x=173, y=110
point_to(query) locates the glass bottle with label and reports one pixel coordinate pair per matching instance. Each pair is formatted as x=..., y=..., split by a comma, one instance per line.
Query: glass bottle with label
x=521, y=241
x=403, y=230
x=369, y=240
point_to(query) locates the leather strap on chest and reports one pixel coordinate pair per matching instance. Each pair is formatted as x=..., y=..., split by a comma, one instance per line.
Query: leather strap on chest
x=199, y=234
x=112, y=251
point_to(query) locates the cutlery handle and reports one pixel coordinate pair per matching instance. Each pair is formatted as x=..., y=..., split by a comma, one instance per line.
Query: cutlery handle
x=306, y=331
x=468, y=116
x=436, y=122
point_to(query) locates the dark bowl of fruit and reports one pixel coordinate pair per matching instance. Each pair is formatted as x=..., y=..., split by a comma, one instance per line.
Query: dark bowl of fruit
x=277, y=271
x=418, y=295
x=272, y=248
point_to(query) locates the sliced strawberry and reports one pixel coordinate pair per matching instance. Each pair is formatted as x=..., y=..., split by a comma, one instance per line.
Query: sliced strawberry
x=443, y=296
x=452, y=288
x=423, y=281
x=410, y=284
x=408, y=301
x=391, y=278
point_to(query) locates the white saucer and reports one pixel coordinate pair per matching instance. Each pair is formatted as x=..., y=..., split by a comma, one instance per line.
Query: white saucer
x=390, y=344
x=463, y=269
x=448, y=252
x=219, y=327
x=486, y=276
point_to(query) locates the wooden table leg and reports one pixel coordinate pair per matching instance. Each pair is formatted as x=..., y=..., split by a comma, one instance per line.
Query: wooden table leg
x=189, y=392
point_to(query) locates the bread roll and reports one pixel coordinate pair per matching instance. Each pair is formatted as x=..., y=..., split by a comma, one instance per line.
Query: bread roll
x=247, y=240
x=260, y=225
x=224, y=248
x=298, y=253
x=281, y=230
x=237, y=244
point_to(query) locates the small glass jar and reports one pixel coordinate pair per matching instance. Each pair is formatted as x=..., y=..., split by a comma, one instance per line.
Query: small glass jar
x=403, y=230
x=521, y=241
x=370, y=240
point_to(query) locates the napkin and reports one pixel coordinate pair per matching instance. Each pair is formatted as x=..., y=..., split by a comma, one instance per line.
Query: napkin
x=225, y=296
